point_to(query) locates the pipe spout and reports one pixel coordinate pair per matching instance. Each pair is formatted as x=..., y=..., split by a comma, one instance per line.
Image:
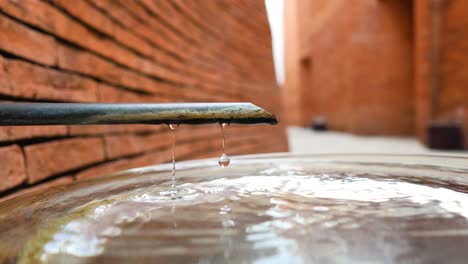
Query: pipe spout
x=25, y=114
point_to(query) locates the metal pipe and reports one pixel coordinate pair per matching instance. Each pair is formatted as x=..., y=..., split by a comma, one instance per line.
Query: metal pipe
x=25, y=114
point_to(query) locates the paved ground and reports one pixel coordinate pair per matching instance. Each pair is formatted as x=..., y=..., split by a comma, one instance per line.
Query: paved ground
x=302, y=140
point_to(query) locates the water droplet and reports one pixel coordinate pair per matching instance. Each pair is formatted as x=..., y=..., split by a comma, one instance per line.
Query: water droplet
x=321, y=208
x=171, y=192
x=224, y=210
x=224, y=160
x=173, y=127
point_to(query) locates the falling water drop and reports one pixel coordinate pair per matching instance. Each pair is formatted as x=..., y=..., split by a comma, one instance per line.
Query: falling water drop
x=223, y=159
x=173, y=128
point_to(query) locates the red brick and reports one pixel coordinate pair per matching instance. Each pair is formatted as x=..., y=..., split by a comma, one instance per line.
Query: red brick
x=188, y=150
x=125, y=164
x=192, y=133
x=77, y=33
x=244, y=149
x=25, y=42
x=5, y=86
x=89, y=64
x=38, y=188
x=111, y=129
x=27, y=132
x=46, y=159
x=34, y=12
x=157, y=34
x=124, y=145
x=80, y=130
x=88, y=14
x=98, y=20
x=12, y=171
x=208, y=20
x=32, y=81
x=110, y=94
x=70, y=87
x=104, y=169
x=77, y=60
x=27, y=80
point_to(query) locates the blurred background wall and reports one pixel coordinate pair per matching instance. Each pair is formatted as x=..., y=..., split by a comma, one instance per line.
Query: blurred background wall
x=377, y=67
x=130, y=51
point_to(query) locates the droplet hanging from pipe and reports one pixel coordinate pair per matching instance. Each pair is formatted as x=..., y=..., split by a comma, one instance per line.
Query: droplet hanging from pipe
x=224, y=159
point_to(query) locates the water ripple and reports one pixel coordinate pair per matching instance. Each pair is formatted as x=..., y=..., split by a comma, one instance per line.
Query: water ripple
x=279, y=212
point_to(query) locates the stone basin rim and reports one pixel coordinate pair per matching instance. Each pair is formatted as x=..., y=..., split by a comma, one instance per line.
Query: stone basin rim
x=451, y=162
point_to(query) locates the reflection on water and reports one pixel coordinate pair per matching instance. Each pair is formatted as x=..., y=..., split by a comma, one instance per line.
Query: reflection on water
x=278, y=215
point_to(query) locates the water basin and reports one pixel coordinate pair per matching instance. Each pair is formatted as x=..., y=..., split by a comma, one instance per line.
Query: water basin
x=275, y=208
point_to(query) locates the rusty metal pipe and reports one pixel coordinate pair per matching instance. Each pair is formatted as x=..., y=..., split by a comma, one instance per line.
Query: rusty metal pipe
x=25, y=114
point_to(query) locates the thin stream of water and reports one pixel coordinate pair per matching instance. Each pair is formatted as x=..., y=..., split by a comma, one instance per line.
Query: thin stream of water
x=173, y=128
x=223, y=160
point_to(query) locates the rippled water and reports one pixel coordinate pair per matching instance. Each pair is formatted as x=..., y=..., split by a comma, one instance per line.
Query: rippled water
x=278, y=210
x=276, y=216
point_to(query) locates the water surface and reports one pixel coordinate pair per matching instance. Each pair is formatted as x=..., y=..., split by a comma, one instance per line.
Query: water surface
x=282, y=211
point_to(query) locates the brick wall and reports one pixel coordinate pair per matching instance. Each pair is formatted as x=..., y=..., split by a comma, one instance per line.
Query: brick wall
x=377, y=66
x=129, y=51
x=352, y=63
